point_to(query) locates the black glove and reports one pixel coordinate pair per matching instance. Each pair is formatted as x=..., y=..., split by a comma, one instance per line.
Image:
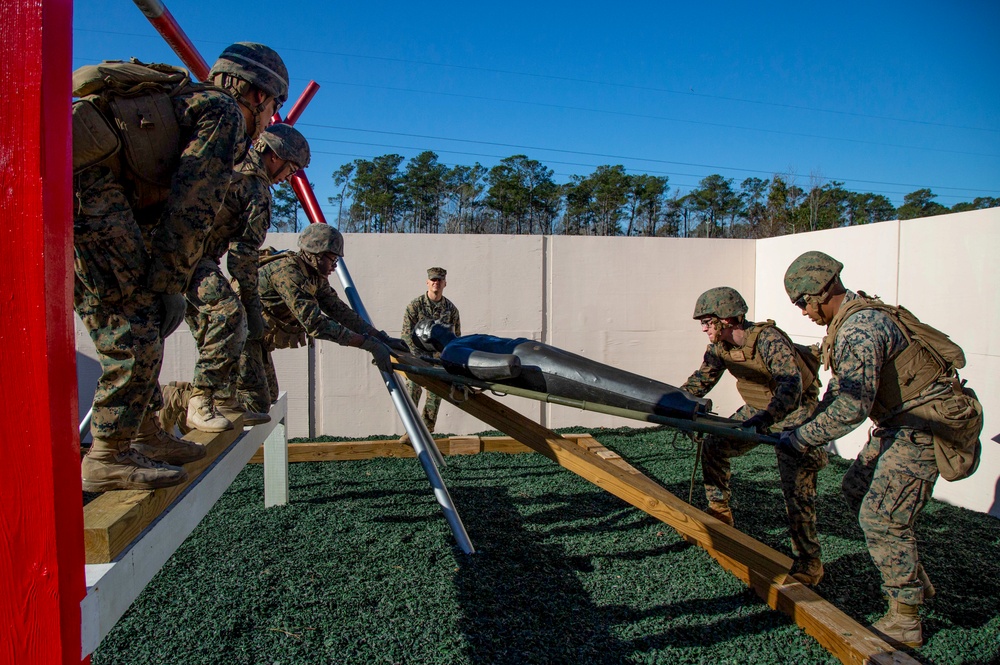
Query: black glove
x=255, y=324
x=760, y=422
x=393, y=343
x=790, y=444
x=173, y=305
x=380, y=353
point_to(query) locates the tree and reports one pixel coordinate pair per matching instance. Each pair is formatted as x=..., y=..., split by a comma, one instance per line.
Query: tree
x=868, y=208
x=423, y=189
x=523, y=195
x=753, y=201
x=646, y=195
x=285, y=209
x=465, y=187
x=920, y=203
x=979, y=203
x=715, y=200
x=342, y=179
x=375, y=195
x=782, y=202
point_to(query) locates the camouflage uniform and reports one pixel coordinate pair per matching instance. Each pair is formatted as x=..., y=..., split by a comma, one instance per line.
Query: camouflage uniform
x=789, y=406
x=891, y=480
x=421, y=308
x=120, y=276
x=297, y=301
x=215, y=313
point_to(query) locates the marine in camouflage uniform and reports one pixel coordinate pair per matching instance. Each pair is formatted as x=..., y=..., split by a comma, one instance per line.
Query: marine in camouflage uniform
x=891, y=480
x=132, y=267
x=219, y=319
x=298, y=301
x=770, y=378
x=440, y=309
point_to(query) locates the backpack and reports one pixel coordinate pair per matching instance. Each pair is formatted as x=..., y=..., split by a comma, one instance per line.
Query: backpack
x=125, y=109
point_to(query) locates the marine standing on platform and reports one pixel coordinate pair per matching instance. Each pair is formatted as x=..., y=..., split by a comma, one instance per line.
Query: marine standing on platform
x=882, y=371
x=298, y=301
x=431, y=305
x=780, y=391
x=141, y=215
x=220, y=319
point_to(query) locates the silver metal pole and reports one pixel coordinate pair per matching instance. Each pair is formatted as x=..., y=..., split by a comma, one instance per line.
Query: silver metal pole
x=85, y=423
x=421, y=439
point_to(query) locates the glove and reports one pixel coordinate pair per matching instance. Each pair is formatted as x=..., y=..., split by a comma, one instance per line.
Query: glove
x=790, y=444
x=380, y=353
x=760, y=422
x=393, y=343
x=173, y=312
x=255, y=324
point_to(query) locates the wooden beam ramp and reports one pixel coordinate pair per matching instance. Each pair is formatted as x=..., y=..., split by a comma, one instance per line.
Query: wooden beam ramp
x=764, y=569
x=114, y=519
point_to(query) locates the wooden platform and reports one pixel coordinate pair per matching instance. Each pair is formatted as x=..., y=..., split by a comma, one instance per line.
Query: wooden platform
x=130, y=535
x=764, y=569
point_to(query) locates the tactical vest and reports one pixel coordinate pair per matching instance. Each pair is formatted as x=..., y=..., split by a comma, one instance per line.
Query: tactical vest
x=753, y=379
x=125, y=111
x=928, y=357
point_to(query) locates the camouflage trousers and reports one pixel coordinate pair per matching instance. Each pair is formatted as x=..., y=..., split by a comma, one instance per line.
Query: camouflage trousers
x=430, y=413
x=111, y=297
x=887, y=486
x=217, y=320
x=798, y=482
x=257, y=385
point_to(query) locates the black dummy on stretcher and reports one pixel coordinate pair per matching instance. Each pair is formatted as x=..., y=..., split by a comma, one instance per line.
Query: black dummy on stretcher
x=525, y=363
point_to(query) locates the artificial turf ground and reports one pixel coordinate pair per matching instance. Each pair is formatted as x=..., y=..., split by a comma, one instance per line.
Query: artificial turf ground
x=360, y=567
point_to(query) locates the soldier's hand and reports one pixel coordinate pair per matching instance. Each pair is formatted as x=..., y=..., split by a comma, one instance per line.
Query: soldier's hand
x=393, y=343
x=760, y=422
x=789, y=443
x=380, y=353
x=173, y=305
x=255, y=324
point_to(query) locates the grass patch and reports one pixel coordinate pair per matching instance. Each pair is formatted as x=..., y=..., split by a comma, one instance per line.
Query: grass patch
x=361, y=567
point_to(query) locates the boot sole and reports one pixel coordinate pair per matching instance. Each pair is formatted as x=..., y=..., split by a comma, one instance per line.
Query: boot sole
x=109, y=485
x=213, y=430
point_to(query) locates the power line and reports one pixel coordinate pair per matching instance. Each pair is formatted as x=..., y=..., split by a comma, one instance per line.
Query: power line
x=612, y=84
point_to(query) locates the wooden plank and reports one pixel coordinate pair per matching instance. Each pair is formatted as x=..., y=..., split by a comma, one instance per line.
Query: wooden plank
x=762, y=567
x=114, y=519
x=464, y=445
x=331, y=451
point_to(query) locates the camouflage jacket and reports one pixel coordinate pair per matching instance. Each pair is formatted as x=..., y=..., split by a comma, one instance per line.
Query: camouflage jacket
x=213, y=139
x=779, y=358
x=865, y=343
x=241, y=226
x=422, y=307
x=300, y=298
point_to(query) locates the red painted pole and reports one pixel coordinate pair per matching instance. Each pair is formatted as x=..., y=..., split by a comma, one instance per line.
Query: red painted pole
x=307, y=197
x=300, y=105
x=171, y=31
x=41, y=511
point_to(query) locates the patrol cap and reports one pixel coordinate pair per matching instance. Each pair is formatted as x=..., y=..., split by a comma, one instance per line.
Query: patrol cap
x=321, y=238
x=810, y=273
x=436, y=273
x=724, y=302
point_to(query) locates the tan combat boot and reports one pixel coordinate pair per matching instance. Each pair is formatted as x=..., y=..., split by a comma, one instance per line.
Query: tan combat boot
x=721, y=511
x=106, y=467
x=925, y=581
x=807, y=570
x=901, y=625
x=176, y=395
x=231, y=409
x=203, y=414
x=161, y=446
x=405, y=439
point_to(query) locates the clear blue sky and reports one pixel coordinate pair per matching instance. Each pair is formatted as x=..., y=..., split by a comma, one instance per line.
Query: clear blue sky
x=888, y=97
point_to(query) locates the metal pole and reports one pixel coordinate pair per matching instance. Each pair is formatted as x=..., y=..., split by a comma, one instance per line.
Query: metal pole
x=171, y=31
x=421, y=439
x=85, y=423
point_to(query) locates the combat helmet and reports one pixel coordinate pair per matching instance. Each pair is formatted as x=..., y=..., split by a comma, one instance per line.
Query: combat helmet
x=810, y=274
x=256, y=64
x=723, y=301
x=287, y=143
x=321, y=238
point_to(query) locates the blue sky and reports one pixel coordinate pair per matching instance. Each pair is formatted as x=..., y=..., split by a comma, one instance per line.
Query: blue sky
x=888, y=97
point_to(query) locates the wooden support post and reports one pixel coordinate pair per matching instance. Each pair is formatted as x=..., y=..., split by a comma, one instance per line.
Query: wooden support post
x=41, y=561
x=762, y=567
x=276, y=457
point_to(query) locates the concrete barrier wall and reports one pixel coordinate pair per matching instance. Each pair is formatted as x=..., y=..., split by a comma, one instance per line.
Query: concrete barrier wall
x=628, y=302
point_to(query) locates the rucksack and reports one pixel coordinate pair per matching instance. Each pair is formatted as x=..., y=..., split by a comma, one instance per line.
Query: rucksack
x=139, y=125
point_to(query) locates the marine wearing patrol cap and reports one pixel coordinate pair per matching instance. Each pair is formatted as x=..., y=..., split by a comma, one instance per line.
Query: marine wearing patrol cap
x=436, y=273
